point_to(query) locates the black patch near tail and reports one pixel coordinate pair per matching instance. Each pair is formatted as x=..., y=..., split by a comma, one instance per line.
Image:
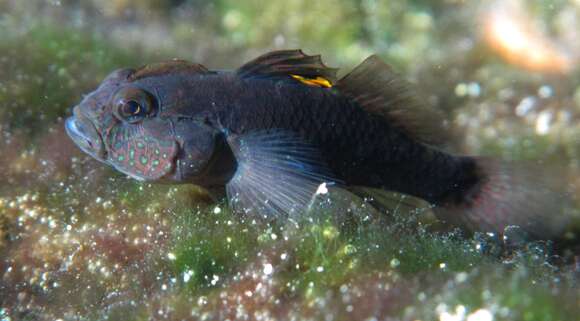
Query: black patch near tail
x=511, y=194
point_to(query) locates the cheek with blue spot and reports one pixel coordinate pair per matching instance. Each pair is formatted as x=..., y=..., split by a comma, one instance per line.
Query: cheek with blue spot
x=141, y=154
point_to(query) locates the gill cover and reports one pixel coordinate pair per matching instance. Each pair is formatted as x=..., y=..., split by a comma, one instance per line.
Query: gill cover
x=144, y=151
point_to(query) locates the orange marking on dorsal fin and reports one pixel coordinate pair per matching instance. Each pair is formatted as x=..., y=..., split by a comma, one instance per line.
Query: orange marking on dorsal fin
x=318, y=81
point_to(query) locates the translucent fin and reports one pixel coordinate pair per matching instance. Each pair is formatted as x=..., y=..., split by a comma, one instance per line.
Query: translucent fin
x=389, y=201
x=168, y=67
x=278, y=174
x=290, y=64
x=510, y=194
x=379, y=90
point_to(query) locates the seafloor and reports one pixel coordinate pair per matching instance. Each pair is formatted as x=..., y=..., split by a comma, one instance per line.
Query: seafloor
x=81, y=242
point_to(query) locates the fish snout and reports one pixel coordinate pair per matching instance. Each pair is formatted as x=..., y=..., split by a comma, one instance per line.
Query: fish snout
x=85, y=135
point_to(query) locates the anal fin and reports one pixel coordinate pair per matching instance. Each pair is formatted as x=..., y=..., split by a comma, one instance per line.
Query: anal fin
x=389, y=201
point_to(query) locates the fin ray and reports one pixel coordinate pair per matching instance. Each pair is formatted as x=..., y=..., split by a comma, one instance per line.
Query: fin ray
x=278, y=173
x=292, y=65
x=379, y=90
x=389, y=201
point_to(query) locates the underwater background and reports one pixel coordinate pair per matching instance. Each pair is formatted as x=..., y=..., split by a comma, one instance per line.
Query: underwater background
x=81, y=242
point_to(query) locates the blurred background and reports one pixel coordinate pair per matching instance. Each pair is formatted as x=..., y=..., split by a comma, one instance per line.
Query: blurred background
x=80, y=242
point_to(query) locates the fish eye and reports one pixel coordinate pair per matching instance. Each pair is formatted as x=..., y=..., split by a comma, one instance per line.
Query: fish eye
x=133, y=104
x=131, y=108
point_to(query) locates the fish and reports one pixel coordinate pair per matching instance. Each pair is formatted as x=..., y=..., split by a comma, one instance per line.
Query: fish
x=269, y=134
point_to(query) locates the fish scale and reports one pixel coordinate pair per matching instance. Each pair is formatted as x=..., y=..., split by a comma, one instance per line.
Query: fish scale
x=305, y=112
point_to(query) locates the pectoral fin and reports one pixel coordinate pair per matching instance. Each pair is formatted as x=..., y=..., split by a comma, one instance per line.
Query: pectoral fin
x=278, y=174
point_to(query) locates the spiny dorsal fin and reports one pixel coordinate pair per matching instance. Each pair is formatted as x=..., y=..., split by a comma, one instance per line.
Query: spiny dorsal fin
x=167, y=67
x=293, y=64
x=379, y=90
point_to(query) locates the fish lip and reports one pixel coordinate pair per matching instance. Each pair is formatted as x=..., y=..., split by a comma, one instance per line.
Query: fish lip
x=86, y=137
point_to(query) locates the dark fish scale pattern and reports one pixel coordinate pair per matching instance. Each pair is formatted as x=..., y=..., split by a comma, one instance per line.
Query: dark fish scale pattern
x=368, y=150
x=357, y=146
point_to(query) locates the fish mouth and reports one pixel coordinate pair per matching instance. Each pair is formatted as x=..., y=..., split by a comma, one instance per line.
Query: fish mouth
x=85, y=136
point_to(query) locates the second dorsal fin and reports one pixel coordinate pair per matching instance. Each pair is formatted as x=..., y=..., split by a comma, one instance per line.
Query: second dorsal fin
x=290, y=64
x=379, y=90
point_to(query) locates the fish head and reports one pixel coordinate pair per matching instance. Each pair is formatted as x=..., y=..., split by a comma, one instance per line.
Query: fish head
x=131, y=124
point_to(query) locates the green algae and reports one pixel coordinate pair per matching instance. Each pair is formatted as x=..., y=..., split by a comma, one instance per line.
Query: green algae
x=49, y=70
x=210, y=246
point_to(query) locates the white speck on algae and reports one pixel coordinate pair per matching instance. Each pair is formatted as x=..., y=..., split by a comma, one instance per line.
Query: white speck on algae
x=543, y=122
x=268, y=269
x=480, y=315
x=322, y=189
x=187, y=275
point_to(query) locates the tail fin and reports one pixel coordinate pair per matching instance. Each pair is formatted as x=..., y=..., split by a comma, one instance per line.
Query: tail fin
x=507, y=194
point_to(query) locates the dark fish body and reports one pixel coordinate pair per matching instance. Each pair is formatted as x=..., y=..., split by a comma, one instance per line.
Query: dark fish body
x=360, y=148
x=272, y=131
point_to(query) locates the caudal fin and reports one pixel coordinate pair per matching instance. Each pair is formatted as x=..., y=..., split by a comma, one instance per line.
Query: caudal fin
x=512, y=194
